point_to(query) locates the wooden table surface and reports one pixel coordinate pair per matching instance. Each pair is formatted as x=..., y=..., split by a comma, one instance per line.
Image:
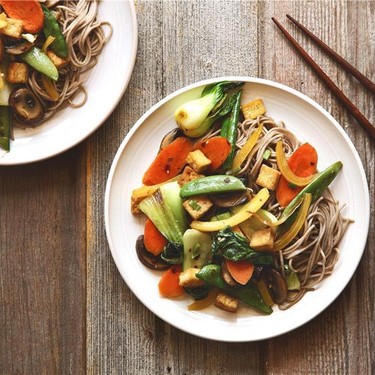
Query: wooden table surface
x=64, y=309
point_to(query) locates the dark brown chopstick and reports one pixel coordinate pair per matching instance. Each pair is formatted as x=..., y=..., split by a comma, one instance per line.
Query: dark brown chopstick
x=340, y=60
x=330, y=84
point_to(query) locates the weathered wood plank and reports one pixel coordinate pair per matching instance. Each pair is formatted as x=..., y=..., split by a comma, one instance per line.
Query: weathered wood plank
x=42, y=266
x=339, y=340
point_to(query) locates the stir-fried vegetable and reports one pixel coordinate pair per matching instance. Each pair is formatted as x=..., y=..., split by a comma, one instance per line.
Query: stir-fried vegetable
x=286, y=171
x=248, y=294
x=41, y=62
x=52, y=28
x=195, y=117
x=4, y=128
x=244, y=213
x=164, y=208
x=211, y=185
x=229, y=130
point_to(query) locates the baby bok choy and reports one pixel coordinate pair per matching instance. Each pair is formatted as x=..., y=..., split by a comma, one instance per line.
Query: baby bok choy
x=164, y=209
x=195, y=117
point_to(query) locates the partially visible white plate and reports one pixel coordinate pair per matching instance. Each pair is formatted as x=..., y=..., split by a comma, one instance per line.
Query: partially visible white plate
x=106, y=83
x=306, y=119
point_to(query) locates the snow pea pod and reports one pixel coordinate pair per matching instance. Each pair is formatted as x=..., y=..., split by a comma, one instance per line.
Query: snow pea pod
x=249, y=294
x=5, y=128
x=229, y=130
x=41, y=62
x=211, y=185
x=52, y=28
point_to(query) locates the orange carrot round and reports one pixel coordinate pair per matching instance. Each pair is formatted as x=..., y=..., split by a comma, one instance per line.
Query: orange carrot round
x=216, y=149
x=303, y=163
x=154, y=241
x=241, y=270
x=169, y=286
x=169, y=162
x=29, y=12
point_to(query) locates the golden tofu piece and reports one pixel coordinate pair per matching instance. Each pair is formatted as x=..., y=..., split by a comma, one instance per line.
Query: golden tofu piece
x=197, y=206
x=188, y=175
x=57, y=60
x=263, y=240
x=227, y=303
x=17, y=72
x=198, y=161
x=268, y=177
x=13, y=28
x=187, y=278
x=254, y=109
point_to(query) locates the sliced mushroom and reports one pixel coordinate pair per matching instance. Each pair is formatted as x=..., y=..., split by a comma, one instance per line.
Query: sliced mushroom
x=26, y=106
x=276, y=285
x=230, y=199
x=18, y=48
x=227, y=276
x=170, y=137
x=148, y=259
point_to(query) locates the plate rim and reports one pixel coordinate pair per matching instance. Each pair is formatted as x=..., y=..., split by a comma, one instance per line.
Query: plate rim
x=6, y=162
x=247, y=79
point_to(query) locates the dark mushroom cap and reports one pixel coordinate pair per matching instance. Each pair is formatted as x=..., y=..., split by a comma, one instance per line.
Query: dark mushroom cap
x=148, y=259
x=170, y=137
x=276, y=285
x=18, y=48
x=26, y=106
x=230, y=199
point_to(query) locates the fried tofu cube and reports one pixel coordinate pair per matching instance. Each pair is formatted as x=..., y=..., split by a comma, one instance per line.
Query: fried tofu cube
x=268, y=177
x=263, y=240
x=17, y=72
x=254, y=109
x=58, y=61
x=188, y=175
x=197, y=206
x=198, y=161
x=188, y=278
x=13, y=28
x=227, y=303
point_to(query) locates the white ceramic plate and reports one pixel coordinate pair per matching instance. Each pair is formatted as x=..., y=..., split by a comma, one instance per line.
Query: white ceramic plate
x=306, y=119
x=105, y=85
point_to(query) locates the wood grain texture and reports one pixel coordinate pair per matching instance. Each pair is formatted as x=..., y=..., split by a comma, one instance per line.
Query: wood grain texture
x=181, y=42
x=42, y=267
x=64, y=308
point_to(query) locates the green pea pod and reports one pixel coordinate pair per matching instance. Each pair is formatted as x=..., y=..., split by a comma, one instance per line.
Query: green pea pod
x=230, y=130
x=211, y=185
x=41, y=62
x=249, y=294
x=52, y=28
x=5, y=128
x=316, y=188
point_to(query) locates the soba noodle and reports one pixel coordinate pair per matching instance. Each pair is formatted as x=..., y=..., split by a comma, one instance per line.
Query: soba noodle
x=85, y=38
x=314, y=252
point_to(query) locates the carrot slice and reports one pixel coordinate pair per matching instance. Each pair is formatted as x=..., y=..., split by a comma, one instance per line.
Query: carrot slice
x=303, y=163
x=169, y=286
x=216, y=149
x=154, y=241
x=169, y=162
x=29, y=12
x=241, y=271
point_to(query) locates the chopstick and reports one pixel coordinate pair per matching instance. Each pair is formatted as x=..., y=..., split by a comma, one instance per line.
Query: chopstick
x=340, y=60
x=330, y=84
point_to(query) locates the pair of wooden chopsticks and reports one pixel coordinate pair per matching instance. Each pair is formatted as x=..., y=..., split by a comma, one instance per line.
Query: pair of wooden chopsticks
x=331, y=85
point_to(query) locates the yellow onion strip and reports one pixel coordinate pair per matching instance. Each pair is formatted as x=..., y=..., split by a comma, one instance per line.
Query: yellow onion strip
x=145, y=191
x=50, y=88
x=246, y=211
x=286, y=171
x=205, y=302
x=246, y=149
x=292, y=232
x=263, y=290
x=47, y=43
